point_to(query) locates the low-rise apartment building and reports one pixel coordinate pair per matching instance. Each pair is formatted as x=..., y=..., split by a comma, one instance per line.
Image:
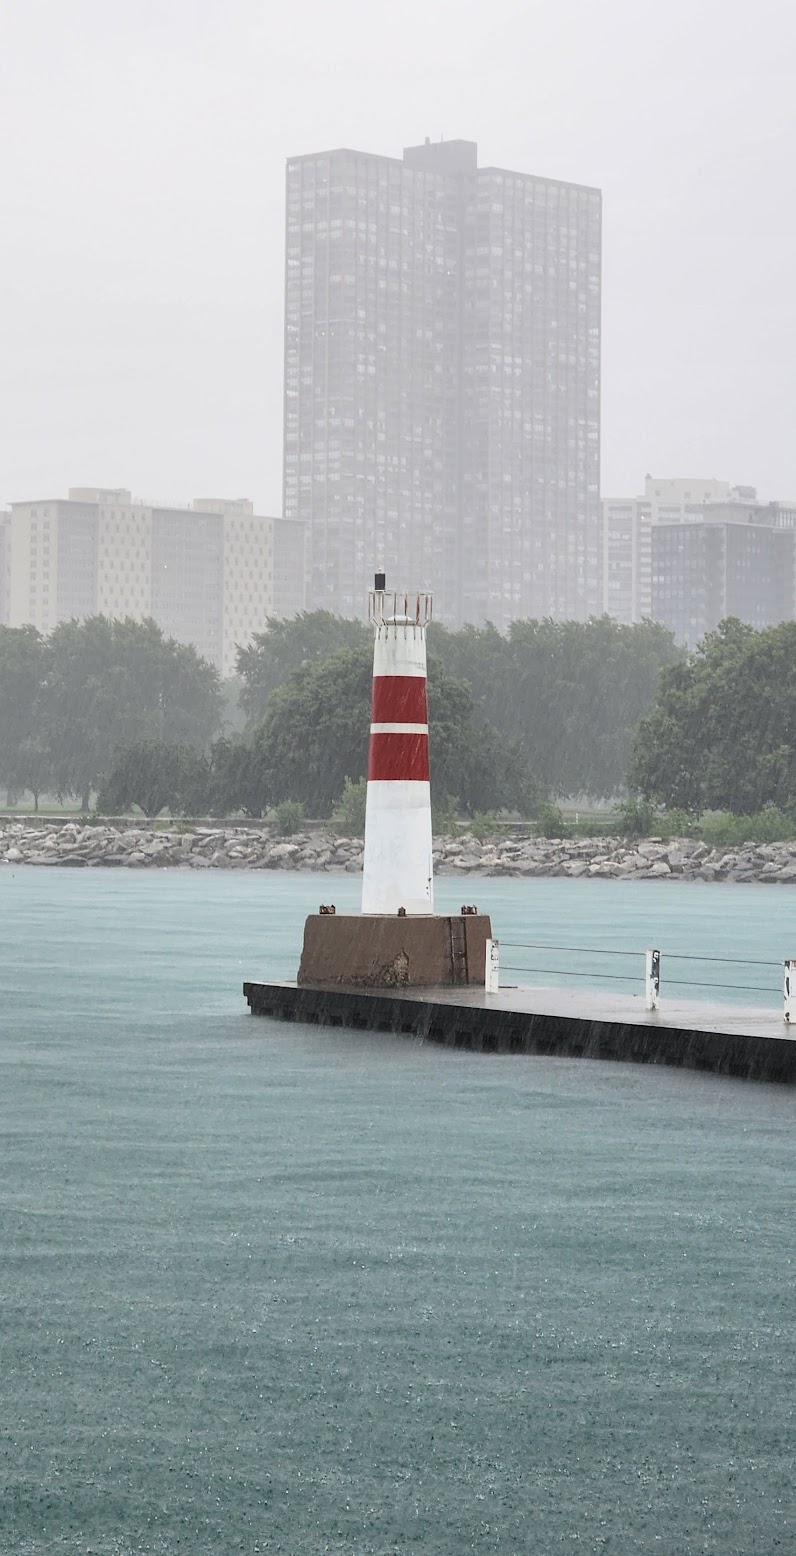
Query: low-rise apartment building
x=627, y=536
x=738, y=559
x=209, y=573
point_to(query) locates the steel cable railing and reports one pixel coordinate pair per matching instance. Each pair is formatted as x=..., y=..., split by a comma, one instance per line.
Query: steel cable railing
x=652, y=959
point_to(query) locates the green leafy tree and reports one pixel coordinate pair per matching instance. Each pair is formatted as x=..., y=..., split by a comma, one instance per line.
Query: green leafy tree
x=636, y=818
x=315, y=736
x=156, y=775
x=722, y=733
x=445, y=811
x=557, y=699
x=289, y=816
x=24, y=753
x=349, y=812
x=315, y=733
x=233, y=718
x=565, y=695
x=116, y=683
x=551, y=821
x=285, y=646
x=237, y=779
x=493, y=772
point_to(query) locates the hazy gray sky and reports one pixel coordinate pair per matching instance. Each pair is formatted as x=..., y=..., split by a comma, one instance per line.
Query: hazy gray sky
x=142, y=192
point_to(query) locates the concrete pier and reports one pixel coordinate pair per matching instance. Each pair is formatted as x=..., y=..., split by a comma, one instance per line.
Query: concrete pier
x=728, y=1040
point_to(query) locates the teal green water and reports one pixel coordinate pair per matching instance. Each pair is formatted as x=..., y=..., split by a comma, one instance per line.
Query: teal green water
x=276, y=1289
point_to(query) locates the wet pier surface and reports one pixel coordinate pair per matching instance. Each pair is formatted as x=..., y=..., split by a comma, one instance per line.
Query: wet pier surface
x=749, y=1044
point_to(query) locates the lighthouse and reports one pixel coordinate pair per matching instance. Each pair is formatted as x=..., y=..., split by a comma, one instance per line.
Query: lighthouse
x=397, y=871
x=397, y=941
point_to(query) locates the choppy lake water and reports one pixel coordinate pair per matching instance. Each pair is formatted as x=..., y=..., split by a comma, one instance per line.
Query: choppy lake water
x=275, y=1289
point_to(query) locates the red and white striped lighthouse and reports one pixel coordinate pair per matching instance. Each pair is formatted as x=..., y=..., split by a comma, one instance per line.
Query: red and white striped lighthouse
x=397, y=871
x=397, y=940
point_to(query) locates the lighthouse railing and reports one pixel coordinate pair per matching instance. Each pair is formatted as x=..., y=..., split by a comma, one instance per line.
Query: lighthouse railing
x=400, y=607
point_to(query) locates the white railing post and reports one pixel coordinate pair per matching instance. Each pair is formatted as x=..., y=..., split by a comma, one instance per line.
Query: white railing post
x=652, y=978
x=789, y=991
x=492, y=973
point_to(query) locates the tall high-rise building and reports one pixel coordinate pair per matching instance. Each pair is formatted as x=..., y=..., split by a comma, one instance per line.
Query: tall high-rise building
x=442, y=382
x=210, y=574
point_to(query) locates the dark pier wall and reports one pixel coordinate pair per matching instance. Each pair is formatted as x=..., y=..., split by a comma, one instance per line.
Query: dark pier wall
x=481, y=1030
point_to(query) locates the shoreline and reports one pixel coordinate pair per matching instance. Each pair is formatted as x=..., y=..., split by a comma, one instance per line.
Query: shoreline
x=240, y=847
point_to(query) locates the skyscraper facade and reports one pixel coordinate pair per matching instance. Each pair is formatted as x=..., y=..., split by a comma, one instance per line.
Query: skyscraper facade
x=442, y=382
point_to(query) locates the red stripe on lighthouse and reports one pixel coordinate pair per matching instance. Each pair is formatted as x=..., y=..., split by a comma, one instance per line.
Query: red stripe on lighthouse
x=399, y=699
x=398, y=757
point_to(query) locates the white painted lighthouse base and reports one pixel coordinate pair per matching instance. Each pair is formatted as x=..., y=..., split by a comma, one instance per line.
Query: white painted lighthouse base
x=398, y=866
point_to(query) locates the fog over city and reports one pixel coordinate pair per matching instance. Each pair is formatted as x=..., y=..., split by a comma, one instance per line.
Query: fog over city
x=142, y=196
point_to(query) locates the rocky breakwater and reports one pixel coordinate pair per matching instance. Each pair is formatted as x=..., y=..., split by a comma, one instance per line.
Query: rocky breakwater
x=258, y=848
x=204, y=848
x=614, y=858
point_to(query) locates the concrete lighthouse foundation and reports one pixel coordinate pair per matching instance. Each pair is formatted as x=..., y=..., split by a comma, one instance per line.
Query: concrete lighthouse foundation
x=397, y=940
x=394, y=952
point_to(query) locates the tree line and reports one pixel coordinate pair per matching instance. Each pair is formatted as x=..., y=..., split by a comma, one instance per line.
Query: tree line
x=549, y=709
x=118, y=710
x=564, y=696
x=70, y=702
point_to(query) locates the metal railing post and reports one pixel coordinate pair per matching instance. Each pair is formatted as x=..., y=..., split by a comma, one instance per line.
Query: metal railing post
x=789, y=991
x=652, y=978
x=492, y=972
